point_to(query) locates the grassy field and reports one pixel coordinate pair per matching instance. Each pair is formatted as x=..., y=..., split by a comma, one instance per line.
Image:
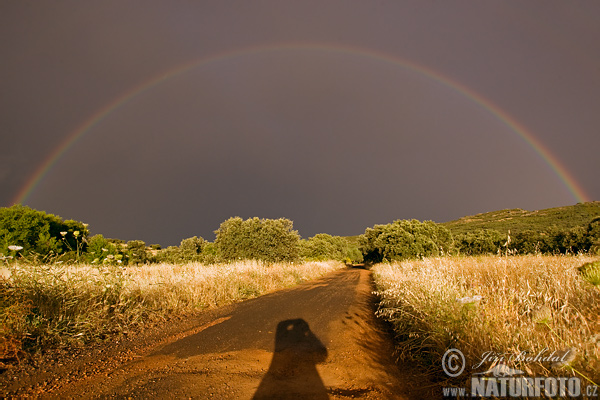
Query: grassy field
x=51, y=305
x=505, y=305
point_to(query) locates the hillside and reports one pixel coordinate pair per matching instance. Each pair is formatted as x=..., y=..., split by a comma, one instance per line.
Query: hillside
x=518, y=220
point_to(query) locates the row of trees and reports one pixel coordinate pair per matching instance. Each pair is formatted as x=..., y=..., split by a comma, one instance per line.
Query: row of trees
x=31, y=233
x=413, y=239
x=269, y=240
x=580, y=239
x=39, y=236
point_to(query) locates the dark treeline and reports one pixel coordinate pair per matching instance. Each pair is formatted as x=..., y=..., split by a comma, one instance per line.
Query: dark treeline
x=38, y=237
x=581, y=239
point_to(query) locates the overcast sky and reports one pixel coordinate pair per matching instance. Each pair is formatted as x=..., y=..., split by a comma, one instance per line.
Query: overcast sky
x=322, y=112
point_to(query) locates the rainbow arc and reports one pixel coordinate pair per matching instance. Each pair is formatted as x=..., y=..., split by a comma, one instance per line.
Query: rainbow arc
x=550, y=159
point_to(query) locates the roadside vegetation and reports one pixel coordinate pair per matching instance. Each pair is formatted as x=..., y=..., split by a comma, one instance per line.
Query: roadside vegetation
x=57, y=304
x=505, y=305
x=58, y=286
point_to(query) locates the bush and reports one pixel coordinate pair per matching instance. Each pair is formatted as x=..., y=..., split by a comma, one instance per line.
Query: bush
x=168, y=255
x=552, y=240
x=269, y=240
x=194, y=249
x=39, y=232
x=322, y=247
x=191, y=249
x=101, y=251
x=479, y=242
x=592, y=237
x=404, y=239
x=136, y=250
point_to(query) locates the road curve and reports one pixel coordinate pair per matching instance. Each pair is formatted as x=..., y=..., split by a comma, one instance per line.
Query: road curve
x=318, y=340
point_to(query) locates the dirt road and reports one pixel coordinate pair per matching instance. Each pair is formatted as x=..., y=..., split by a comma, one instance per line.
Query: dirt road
x=319, y=340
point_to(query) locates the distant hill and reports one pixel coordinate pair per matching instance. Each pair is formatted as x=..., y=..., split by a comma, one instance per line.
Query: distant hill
x=518, y=220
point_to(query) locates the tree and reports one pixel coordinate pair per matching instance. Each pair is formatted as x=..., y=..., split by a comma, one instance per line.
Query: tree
x=326, y=247
x=481, y=241
x=405, y=239
x=191, y=249
x=592, y=240
x=270, y=240
x=136, y=250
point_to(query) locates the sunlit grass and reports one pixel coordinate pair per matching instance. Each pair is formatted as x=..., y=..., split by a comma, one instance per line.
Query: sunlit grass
x=506, y=305
x=56, y=304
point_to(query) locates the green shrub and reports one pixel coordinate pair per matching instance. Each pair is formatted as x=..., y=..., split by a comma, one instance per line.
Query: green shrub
x=40, y=233
x=191, y=249
x=592, y=236
x=136, y=250
x=101, y=251
x=322, y=247
x=405, y=239
x=479, y=242
x=269, y=240
x=194, y=249
x=168, y=255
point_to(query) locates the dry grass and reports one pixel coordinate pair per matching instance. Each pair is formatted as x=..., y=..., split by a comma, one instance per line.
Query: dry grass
x=54, y=304
x=529, y=303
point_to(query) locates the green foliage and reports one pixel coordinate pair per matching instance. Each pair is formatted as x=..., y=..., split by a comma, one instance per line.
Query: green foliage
x=101, y=251
x=562, y=230
x=592, y=236
x=168, y=255
x=136, y=250
x=209, y=253
x=517, y=220
x=269, y=240
x=39, y=232
x=479, y=242
x=590, y=272
x=404, y=239
x=323, y=247
x=191, y=249
x=194, y=249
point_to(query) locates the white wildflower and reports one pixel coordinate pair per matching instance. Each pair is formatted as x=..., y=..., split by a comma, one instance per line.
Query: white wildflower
x=15, y=248
x=64, y=233
x=469, y=300
x=567, y=356
x=542, y=315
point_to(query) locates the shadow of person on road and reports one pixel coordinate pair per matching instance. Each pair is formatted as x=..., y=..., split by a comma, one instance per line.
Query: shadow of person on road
x=293, y=373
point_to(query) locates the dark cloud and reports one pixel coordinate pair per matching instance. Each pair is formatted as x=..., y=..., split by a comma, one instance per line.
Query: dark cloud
x=335, y=141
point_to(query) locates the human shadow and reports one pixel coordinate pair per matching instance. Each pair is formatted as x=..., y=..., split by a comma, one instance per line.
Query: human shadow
x=293, y=373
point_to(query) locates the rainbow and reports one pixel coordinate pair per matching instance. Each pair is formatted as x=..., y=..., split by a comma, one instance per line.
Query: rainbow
x=552, y=161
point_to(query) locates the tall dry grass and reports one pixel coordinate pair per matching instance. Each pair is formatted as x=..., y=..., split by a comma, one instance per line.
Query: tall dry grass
x=528, y=304
x=56, y=304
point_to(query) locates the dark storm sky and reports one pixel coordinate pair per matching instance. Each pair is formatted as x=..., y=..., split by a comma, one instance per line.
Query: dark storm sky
x=335, y=141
